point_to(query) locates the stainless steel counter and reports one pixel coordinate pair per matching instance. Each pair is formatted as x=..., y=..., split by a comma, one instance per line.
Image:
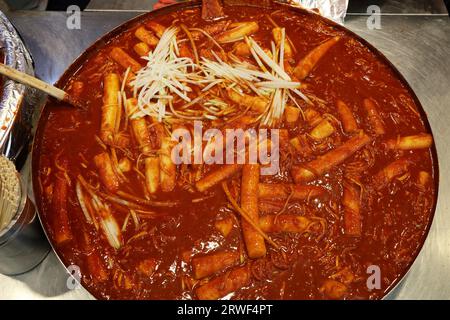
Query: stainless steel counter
x=418, y=45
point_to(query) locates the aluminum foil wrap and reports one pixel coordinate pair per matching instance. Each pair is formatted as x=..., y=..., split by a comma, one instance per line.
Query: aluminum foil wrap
x=331, y=9
x=17, y=101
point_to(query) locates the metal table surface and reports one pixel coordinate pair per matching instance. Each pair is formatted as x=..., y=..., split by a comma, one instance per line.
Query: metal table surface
x=418, y=45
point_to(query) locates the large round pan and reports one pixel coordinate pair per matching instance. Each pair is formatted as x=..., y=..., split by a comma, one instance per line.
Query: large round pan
x=36, y=153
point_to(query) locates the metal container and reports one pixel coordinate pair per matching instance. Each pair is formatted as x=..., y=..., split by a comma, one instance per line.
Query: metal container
x=22, y=244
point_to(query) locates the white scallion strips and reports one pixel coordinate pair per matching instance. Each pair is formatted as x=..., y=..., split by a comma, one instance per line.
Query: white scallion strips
x=168, y=76
x=165, y=74
x=270, y=79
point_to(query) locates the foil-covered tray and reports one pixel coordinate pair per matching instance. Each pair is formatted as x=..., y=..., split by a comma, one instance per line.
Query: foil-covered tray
x=17, y=101
x=22, y=243
x=331, y=9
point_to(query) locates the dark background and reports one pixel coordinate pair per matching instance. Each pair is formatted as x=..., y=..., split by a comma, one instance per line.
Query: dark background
x=61, y=5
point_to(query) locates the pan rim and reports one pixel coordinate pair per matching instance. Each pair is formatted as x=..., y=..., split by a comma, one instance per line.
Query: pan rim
x=74, y=67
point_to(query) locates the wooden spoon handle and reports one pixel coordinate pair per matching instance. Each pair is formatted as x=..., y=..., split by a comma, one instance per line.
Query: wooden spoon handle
x=33, y=82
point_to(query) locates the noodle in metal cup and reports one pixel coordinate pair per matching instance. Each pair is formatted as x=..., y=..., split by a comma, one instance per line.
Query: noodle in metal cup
x=23, y=244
